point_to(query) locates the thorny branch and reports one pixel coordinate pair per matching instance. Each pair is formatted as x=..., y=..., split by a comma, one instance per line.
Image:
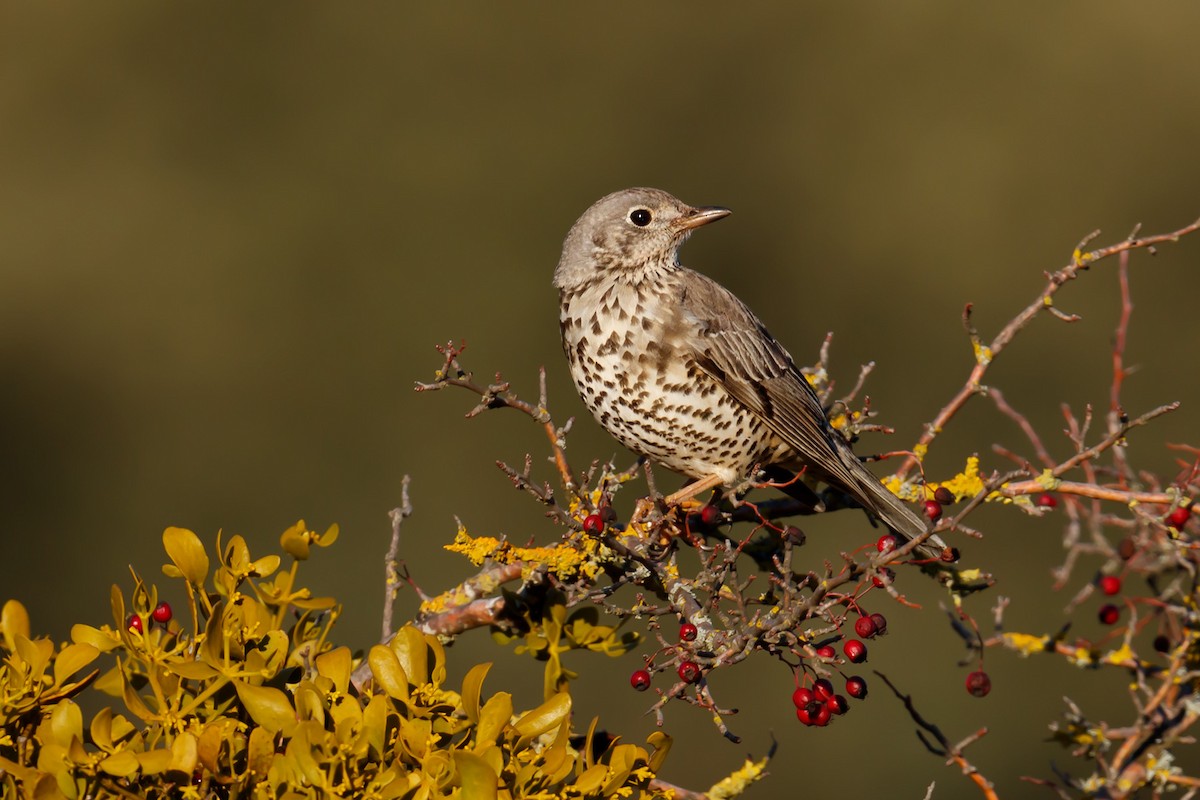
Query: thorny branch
x=940, y=746
x=683, y=562
x=391, y=578
x=985, y=355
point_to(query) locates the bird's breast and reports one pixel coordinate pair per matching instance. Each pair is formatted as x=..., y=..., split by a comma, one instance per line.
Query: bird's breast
x=634, y=366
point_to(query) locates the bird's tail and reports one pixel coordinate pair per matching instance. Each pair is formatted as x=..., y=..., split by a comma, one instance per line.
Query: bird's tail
x=894, y=513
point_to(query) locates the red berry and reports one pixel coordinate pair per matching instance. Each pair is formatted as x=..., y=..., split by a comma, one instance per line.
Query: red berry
x=827, y=652
x=1046, y=500
x=943, y=495
x=880, y=623
x=687, y=632
x=1161, y=643
x=855, y=650
x=1110, y=585
x=162, y=612
x=135, y=623
x=864, y=627
x=710, y=516
x=640, y=680
x=803, y=715
x=979, y=684
x=933, y=510
x=886, y=542
x=950, y=555
x=593, y=524
x=689, y=672
x=856, y=687
x=1109, y=614
x=821, y=716
x=883, y=577
x=802, y=697
x=837, y=705
x=822, y=689
x=1179, y=517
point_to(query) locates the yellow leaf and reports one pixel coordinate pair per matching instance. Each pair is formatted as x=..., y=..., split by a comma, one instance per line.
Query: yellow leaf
x=184, y=754
x=295, y=541
x=472, y=689
x=590, y=780
x=556, y=764
x=187, y=553
x=208, y=747
x=410, y=647
x=268, y=707
x=86, y=634
x=260, y=752
x=475, y=776
x=36, y=653
x=101, y=728
x=375, y=724
x=73, y=658
x=389, y=674
x=335, y=665
x=133, y=701
x=661, y=743
x=493, y=718
x=548, y=715
x=620, y=764
x=14, y=621
x=265, y=566
x=192, y=670
x=66, y=723
x=153, y=762
x=120, y=765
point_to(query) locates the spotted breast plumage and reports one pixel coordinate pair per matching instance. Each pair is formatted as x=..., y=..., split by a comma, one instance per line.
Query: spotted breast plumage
x=680, y=370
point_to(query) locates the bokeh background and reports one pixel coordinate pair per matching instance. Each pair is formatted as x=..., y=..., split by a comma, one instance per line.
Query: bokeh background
x=229, y=239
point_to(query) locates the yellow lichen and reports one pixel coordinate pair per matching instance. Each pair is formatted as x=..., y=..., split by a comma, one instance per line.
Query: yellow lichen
x=1027, y=644
x=563, y=559
x=1048, y=481
x=733, y=786
x=1122, y=655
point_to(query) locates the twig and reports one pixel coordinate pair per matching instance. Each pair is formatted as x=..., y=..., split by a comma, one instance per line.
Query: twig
x=985, y=355
x=391, y=578
x=498, y=395
x=952, y=753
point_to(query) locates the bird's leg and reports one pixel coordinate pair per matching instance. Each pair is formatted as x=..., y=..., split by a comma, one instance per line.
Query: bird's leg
x=645, y=462
x=693, y=489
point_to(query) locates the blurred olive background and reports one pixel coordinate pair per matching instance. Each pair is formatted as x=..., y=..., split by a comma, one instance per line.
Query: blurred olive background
x=231, y=238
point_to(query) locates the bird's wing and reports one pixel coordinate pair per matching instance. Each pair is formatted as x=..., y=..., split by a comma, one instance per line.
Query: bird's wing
x=736, y=350
x=733, y=346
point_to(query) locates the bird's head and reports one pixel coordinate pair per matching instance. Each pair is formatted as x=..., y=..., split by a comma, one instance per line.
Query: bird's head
x=629, y=235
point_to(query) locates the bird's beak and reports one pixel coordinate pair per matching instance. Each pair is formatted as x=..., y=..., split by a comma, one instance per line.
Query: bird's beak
x=702, y=216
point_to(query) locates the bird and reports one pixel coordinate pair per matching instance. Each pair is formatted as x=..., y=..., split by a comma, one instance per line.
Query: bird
x=679, y=370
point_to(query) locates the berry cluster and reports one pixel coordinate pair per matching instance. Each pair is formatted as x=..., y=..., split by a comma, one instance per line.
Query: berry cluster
x=817, y=705
x=688, y=670
x=161, y=614
x=933, y=507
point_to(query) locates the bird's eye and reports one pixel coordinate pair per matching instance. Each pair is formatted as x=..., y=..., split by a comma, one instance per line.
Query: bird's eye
x=640, y=217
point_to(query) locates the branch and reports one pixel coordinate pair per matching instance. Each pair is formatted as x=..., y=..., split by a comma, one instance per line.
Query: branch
x=986, y=354
x=953, y=753
x=391, y=576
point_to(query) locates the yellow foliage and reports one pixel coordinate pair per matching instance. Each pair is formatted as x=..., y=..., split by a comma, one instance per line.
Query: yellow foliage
x=244, y=693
